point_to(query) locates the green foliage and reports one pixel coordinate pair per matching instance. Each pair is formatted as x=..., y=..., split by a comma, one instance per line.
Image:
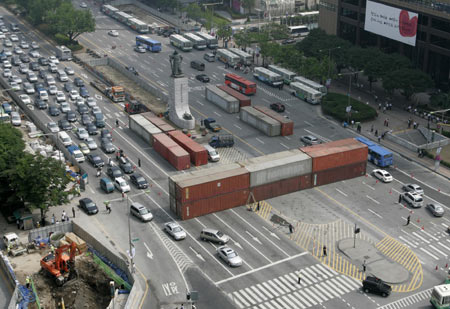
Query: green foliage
x=11, y=147
x=224, y=31
x=334, y=104
x=61, y=39
x=75, y=47
x=248, y=5
x=440, y=100
x=409, y=81
x=194, y=11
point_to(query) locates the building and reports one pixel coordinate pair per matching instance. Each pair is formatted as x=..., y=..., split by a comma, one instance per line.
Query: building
x=271, y=8
x=418, y=29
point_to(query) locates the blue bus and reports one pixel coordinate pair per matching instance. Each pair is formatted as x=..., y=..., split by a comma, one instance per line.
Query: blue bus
x=148, y=43
x=378, y=155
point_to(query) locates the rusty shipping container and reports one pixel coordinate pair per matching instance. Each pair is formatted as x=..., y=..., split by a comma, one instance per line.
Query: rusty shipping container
x=209, y=182
x=277, y=166
x=335, y=154
x=198, y=153
x=325, y=177
x=171, y=151
x=243, y=100
x=287, y=125
x=260, y=121
x=158, y=122
x=281, y=187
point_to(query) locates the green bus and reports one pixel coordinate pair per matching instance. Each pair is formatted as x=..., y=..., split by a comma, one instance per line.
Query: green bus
x=440, y=297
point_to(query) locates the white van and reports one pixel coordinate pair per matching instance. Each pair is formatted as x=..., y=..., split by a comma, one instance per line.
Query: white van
x=213, y=155
x=64, y=138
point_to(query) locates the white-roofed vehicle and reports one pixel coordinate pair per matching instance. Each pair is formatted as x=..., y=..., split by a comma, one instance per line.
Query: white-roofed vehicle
x=382, y=175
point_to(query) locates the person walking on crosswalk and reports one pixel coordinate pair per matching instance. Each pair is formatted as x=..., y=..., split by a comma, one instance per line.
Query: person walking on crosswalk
x=324, y=250
x=299, y=277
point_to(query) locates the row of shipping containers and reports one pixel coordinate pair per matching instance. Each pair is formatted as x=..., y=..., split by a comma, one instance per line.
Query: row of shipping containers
x=222, y=99
x=215, y=189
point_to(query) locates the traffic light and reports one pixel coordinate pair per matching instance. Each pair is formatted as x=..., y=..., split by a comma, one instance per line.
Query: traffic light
x=188, y=296
x=357, y=230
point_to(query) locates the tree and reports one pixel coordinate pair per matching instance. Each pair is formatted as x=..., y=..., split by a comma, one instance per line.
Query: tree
x=248, y=5
x=194, y=11
x=440, y=100
x=242, y=39
x=409, y=81
x=224, y=32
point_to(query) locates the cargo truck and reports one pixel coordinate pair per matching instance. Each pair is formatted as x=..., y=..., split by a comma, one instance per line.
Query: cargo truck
x=63, y=53
x=114, y=93
x=211, y=124
x=222, y=140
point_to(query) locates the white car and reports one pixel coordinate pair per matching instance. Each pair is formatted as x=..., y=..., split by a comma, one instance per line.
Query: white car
x=15, y=86
x=382, y=175
x=15, y=78
x=14, y=38
x=7, y=64
x=73, y=94
x=34, y=54
x=121, y=185
x=413, y=199
x=91, y=143
x=31, y=76
x=34, y=45
x=114, y=33
x=7, y=43
x=60, y=96
x=6, y=73
x=52, y=89
x=2, y=35
x=15, y=119
x=24, y=45
x=7, y=53
x=23, y=68
x=229, y=256
x=69, y=71
x=65, y=107
x=175, y=230
x=53, y=127
x=82, y=133
x=83, y=5
x=91, y=102
x=25, y=98
x=96, y=110
x=139, y=49
x=17, y=50
x=53, y=59
x=412, y=187
x=52, y=68
x=79, y=100
x=50, y=80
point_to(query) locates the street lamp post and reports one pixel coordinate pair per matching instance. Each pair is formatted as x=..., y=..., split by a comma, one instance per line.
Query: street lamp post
x=348, y=109
x=129, y=237
x=329, y=58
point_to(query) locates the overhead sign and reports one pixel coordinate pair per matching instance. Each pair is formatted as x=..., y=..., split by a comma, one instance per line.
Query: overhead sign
x=390, y=22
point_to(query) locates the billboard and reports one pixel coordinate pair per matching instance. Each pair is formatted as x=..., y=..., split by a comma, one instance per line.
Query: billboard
x=393, y=23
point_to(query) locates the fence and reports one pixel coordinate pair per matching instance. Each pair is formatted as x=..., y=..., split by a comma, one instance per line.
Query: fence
x=43, y=232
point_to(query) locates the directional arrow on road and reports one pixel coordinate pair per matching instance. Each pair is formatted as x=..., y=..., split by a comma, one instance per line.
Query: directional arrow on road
x=149, y=252
x=237, y=244
x=254, y=238
x=197, y=254
x=271, y=233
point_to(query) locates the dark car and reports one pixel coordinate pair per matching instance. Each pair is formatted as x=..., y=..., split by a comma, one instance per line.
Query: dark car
x=40, y=104
x=71, y=116
x=43, y=61
x=126, y=165
x=84, y=92
x=374, y=285
x=53, y=110
x=95, y=160
x=83, y=109
x=15, y=60
x=203, y=78
x=86, y=120
x=288, y=41
x=99, y=120
x=78, y=82
x=68, y=87
x=64, y=125
x=39, y=86
x=91, y=128
x=114, y=172
x=107, y=146
x=25, y=58
x=106, y=133
x=34, y=66
x=278, y=107
x=88, y=206
x=139, y=181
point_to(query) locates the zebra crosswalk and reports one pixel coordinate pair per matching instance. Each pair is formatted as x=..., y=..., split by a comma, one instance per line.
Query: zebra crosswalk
x=408, y=301
x=318, y=284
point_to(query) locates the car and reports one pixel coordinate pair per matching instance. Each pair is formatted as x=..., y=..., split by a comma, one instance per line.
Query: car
x=79, y=100
x=175, y=230
x=436, y=209
x=73, y=94
x=17, y=50
x=24, y=58
x=95, y=160
x=7, y=43
x=43, y=61
x=60, y=96
x=6, y=64
x=53, y=59
x=6, y=73
x=15, y=86
x=31, y=76
x=310, y=140
x=52, y=68
x=34, y=54
x=15, y=61
x=7, y=107
x=78, y=82
x=203, y=78
x=139, y=49
x=15, y=78
x=83, y=5
x=42, y=73
x=82, y=133
x=91, y=143
x=69, y=71
x=28, y=88
x=4, y=29
x=91, y=102
x=278, y=107
x=86, y=119
x=288, y=41
x=53, y=110
x=114, y=172
x=2, y=36
x=113, y=33
x=64, y=125
x=91, y=128
x=65, y=107
x=34, y=45
x=411, y=187
x=375, y=285
x=7, y=53
x=125, y=165
x=50, y=80
x=96, y=110
x=83, y=109
x=139, y=181
x=84, y=92
x=40, y=104
x=23, y=68
x=53, y=127
x=25, y=98
x=68, y=87
x=141, y=212
x=15, y=119
x=121, y=185
x=211, y=124
x=71, y=116
x=24, y=44
x=39, y=86
x=229, y=256
x=62, y=76
x=382, y=175
x=14, y=38
x=413, y=199
x=214, y=236
x=106, y=133
x=107, y=145
x=88, y=206
x=84, y=148
x=15, y=28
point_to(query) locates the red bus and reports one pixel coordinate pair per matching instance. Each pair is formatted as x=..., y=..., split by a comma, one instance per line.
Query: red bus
x=240, y=84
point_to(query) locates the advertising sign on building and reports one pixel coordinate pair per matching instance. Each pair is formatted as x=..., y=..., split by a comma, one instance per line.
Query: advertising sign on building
x=390, y=22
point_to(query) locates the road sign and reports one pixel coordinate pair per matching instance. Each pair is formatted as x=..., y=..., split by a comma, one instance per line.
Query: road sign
x=135, y=240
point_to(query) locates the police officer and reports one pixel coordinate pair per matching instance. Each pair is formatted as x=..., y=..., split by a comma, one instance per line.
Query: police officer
x=52, y=249
x=27, y=280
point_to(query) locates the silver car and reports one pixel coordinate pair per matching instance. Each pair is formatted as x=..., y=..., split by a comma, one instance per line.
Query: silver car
x=91, y=143
x=175, y=230
x=310, y=140
x=412, y=187
x=141, y=212
x=436, y=209
x=229, y=256
x=214, y=236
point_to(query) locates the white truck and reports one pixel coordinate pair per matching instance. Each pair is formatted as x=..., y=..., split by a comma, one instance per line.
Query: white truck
x=63, y=53
x=13, y=245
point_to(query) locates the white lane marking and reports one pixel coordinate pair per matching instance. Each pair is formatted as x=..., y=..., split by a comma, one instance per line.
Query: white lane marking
x=406, y=241
x=259, y=140
x=149, y=252
x=287, y=137
x=373, y=200
x=369, y=186
x=284, y=146
x=217, y=114
x=308, y=123
x=341, y=192
x=237, y=126
x=433, y=256
x=420, y=237
x=437, y=250
x=374, y=213
x=319, y=136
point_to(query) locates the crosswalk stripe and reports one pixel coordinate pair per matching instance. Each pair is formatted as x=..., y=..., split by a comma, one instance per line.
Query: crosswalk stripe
x=330, y=290
x=268, y=287
x=352, y=282
x=313, y=292
x=328, y=269
x=276, y=305
x=320, y=271
x=244, y=298
x=261, y=295
x=344, y=287
x=266, y=306
x=305, y=295
x=292, y=276
x=299, y=299
x=280, y=300
x=264, y=291
x=237, y=299
x=310, y=274
x=344, y=283
x=444, y=246
x=436, y=249
x=290, y=283
x=293, y=305
x=282, y=284
x=305, y=277
x=275, y=287
x=247, y=293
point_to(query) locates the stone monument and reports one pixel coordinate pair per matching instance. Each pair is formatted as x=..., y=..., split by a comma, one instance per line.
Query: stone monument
x=179, y=112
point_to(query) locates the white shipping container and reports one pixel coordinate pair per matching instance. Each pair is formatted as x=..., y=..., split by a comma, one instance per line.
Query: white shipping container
x=143, y=128
x=277, y=166
x=222, y=99
x=260, y=121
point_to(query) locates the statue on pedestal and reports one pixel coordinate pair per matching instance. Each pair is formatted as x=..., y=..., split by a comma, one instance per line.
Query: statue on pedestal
x=175, y=63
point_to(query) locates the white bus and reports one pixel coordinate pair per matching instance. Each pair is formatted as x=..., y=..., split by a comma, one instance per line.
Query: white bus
x=296, y=31
x=138, y=25
x=211, y=41
x=287, y=75
x=267, y=76
x=199, y=43
x=306, y=93
x=246, y=58
x=226, y=56
x=311, y=84
x=109, y=9
x=123, y=17
x=180, y=42
x=440, y=297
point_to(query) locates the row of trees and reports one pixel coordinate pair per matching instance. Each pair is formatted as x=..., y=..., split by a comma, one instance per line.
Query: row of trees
x=26, y=180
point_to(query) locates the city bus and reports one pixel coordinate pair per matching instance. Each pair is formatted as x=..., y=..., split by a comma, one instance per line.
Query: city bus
x=123, y=17
x=377, y=155
x=211, y=41
x=180, y=42
x=199, y=43
x=109, y=9
x=440, y=296
x=296, y=31
x=267, y=76
x=311, y=84
x=305, y=93
x=246, y=58
x=240, y=84
x=228, y=57
x=287, y=75
x=148, y=43
x=138, y=25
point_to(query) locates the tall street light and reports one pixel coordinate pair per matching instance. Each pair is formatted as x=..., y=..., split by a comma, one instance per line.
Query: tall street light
x=329, y=59
x=349, y=107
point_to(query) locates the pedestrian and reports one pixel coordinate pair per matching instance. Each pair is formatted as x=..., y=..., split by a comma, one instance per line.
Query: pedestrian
x=8, y=249
x=408, y=219
x=63, y=219
x=353, y=123
x=52, y=249
x=53, y=219
x=182, y=306
x=364, y=266
x=379, y=106
x=379, y=139
x=64, y=213
x=376, y=132
x=109, y=161
x=387, y=122
x=384, y=109
x=415, y=125
x=324, y=250
x=399, y=198
x=117, y=122
x=257, y=207
x=27, y=280
x=139, y=162
x=409, y=123
x=371, y=128
x=291, y=228
x=18, y=224
x=358, y=128
x=73, y=211
x=108, y=208
x=376, y=98
x=299, y=277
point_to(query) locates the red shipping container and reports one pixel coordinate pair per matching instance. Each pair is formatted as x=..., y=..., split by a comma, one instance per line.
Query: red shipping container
x=281, y=187
x=336, y=154
x=198, y=153
x=339, y=173
x=158, y=122
x=287, y=125
x=171, y=151
x=243, y=100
